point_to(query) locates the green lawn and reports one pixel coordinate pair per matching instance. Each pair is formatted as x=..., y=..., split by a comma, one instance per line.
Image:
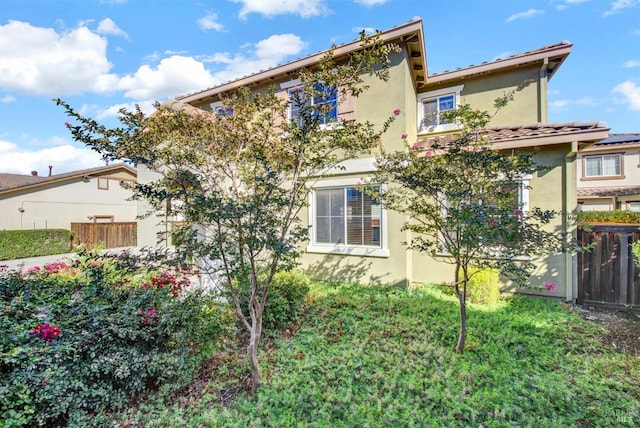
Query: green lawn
x=372, y=357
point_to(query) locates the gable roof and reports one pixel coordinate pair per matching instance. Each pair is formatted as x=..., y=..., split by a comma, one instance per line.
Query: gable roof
x=409, y=34
x=534, y=135
x=551, y=56
x=13, y=182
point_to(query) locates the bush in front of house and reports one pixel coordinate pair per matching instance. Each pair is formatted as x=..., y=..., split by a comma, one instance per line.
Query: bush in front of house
x=484, y=286
x=286, y=297
x=78, y=340
x=617, y=216
x=18, y=244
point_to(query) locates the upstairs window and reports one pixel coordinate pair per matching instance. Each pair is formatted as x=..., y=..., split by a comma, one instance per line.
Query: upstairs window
x=431, y=106
x=324, y=105
x=603, y=166
x=221, y=110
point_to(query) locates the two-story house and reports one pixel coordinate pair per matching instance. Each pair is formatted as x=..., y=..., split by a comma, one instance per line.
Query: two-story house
x=372, y=251
x=609, y=174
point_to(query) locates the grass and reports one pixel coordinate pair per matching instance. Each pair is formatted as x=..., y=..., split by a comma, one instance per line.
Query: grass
x=371, y=357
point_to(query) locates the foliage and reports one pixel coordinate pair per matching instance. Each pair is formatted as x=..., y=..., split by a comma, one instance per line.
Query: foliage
x=287, y=295
x=373, y=356
x=87, y=337
x=239, y=181
x=19, y=244
x=616, y=216
x=483, y=286
x=461, y=197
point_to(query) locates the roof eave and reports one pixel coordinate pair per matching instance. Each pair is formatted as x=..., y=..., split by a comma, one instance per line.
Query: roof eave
x=588, y=135
x=410, y=33
x=558, y=53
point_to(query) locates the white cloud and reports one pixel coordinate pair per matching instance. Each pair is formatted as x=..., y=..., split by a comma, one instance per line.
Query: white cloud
x=559, y=104
x=51, y=63
x=631, y=93
x=304, y=8
x=173, y=76
x=63, y=158
x=618, y=5
x=7, y=99
x=210, y=22
x=526, y=14
x=107, y=26
x=113, y=111
x=268, y=53
x=632, y=63
x=370, y=2
x=502, y=55
x=367, y=30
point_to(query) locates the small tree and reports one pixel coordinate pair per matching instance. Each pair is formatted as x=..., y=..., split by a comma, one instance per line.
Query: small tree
x=462, y=200
x=239, y=179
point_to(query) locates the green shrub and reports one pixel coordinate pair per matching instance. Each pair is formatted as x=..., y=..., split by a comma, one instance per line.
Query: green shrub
x=87, y=338
x=18, y=244
x=609, y=217
x=483, y=286
x=286, y=297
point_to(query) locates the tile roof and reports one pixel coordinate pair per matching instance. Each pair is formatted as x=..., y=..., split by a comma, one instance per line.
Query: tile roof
x=608, y=191
x=552, y=56
x=16, y=181
x=615, y=141
x=503, y=137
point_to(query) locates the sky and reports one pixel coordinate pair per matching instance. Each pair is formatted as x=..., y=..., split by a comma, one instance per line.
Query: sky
x=104, y=55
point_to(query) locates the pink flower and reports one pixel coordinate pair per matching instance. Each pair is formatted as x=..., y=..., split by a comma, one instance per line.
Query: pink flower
x=358, y=183
x=45, y=331
x=67, y=124
x=33, y=269
x=517, y=212
x=397, y=111
x=429, y=153
x=493, y=222
x=414, y=146
x=404, y=136
x=550, y=286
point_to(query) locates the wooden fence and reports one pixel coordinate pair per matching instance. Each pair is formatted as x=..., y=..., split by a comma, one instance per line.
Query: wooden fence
x=607, y=274
x=109, y=235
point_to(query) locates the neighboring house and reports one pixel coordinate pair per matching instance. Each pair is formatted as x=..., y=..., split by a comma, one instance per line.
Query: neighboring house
x=55, y=201
x=609, y=174
x=369, y=248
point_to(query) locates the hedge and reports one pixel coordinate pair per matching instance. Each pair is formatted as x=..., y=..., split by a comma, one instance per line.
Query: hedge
x=617, y=216
x=17, y=244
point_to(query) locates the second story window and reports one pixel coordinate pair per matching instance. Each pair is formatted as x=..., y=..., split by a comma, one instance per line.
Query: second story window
x=431, y=106
x=322, y=105
x=609, y=165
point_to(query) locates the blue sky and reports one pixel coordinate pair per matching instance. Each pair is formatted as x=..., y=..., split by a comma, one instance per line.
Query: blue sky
x=102, y=55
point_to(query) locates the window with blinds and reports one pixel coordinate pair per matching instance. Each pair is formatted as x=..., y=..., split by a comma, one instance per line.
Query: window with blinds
x=347, y=216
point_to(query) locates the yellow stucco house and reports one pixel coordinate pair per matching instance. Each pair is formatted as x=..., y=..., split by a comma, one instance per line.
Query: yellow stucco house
x=373, y=251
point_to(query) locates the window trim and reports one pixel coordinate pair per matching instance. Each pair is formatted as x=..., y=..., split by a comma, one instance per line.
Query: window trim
x=421, y=98
x=586, y=177
x=344, y=249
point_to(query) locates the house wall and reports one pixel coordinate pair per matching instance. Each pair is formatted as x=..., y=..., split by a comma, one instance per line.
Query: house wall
x=630, y=177
x=482, y=91
x=57, y=205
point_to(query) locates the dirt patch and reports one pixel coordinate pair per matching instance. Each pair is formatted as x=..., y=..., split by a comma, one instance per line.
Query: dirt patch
x=622, y=325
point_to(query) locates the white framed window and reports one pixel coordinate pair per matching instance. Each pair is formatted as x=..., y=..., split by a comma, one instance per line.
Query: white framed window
x=345, y=220
x=609, y=165
x=299, y=103
x=432, y=104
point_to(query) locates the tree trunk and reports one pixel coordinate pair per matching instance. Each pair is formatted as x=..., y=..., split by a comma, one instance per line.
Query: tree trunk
x=462, y=298
x=463, y=323
x=252, y=353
